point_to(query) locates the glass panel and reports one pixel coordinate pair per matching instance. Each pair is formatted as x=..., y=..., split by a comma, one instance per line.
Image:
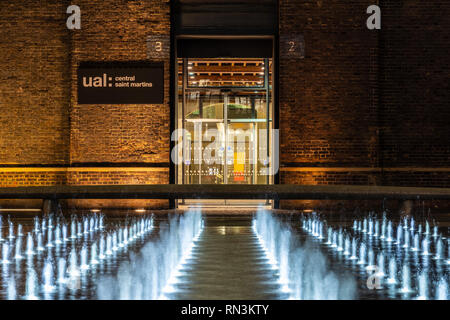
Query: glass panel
x=220, y=108
x=207, y=145
x=204, y=105
x=244, y=105
x=241, y=153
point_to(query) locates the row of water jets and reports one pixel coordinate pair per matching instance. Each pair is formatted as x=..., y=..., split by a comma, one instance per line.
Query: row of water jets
x=49, y=241
x=395, y=255
x=303, y=271
x=158, y=269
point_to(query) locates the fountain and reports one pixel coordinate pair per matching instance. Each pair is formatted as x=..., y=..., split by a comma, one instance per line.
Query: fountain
x=406, y=244
x=85, y=225
x=320, y=231
x=340, y=246
x=18, y=247
x=334, y=241
x=11, y=291
x=383, y=228
x=416, y=245
x=94, y=260
x=91, y=224
x=125, y=236
x=50, y=221
x=370, y=229
x=101, y=254
x=380, y=265
x=427, y=228
x=120, y=239
x=36, y=225
x=354, y=249
x=364, y=230
x=40, y=246
x=448, y=251
x=153, y=273
x=301, y=268
x=435, y=232
x=58, y=235
x=330, y=236
x=30, y=244
x=399, y=235
x=114, y=241
x=439, y=249
x=370, y=260
x=301, y=271
x=62, y=271
x=73, y=229
x=377, y=229
x=31, y=285
x=405, y=223
x=442, y=290
x=11, y=231
x=84, y=266
x=425, y=246
x=48, y=286
x=423, y=287
x=389, y=232
x=108, y=245
x=283, y=258
x=49, y=237
x=406, y=279
x=347, y=246
x=19, y=230
x=362, y=254
x=392, y=272
x=73, y=270
x=5, y=253
x=79, y=229
x=64, y=233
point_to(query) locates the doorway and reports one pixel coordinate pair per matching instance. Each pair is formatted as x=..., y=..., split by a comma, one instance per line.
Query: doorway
x=225, y=113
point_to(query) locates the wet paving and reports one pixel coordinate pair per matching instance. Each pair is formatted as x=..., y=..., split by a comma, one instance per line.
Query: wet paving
x=228, y=263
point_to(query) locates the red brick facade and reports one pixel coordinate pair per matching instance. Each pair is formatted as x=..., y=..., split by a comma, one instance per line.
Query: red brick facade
x=372, y=104
x=117, y=31
x=362, y=107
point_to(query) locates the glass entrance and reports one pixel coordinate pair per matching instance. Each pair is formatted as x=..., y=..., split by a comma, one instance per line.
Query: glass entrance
x=225, y=121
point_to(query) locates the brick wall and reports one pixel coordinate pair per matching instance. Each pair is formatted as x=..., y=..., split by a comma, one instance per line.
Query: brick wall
x=98, y=176
x=34, y=82
x=41, y=123
x=374, y=102
x=322, y=95
x=117, y=31
x=28, y=177
x=415, y=89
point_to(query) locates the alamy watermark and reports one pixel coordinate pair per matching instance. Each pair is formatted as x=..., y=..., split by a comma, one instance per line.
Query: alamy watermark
x=74, y=20
x=374, y=280
x=242, y=147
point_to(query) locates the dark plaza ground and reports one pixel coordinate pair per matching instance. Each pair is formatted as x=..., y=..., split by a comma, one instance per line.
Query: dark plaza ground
x=158, y=93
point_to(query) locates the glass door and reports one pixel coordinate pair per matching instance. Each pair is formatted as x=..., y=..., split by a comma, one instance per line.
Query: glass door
x=225, y=116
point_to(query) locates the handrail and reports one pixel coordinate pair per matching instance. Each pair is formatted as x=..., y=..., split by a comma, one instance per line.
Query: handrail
x=276, y=192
